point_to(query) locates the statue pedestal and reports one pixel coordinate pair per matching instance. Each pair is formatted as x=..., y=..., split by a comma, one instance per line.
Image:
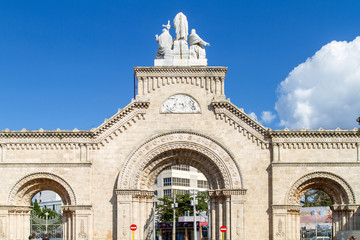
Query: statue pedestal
x=180, y=49
x=180, y=62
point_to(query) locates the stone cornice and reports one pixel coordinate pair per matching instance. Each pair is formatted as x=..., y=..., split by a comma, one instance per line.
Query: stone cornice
x=316, y=164
x=64, y=139
x=344, y=207
x=76, y=207
x=226, y=192
x=320, y=135
x=39, y=164
x=241, y=122
x=295, y=208
x=179, y=71
x=14, y=208
x=134, y=192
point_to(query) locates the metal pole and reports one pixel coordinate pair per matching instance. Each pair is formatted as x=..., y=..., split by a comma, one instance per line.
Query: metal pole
x=46, y=214
x=194, y=209
x=316, y=225
x=174, y=219
x=154, y=229
x=209, y=218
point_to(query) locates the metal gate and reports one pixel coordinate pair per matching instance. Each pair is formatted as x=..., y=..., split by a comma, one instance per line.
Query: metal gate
x=41, y=226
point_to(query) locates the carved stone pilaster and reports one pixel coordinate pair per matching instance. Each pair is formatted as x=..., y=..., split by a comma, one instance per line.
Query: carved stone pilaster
x=1, y=153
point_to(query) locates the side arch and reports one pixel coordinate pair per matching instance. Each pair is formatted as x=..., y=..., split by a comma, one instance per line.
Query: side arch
x=28, y=186
x=180, y=147
x=336, y=187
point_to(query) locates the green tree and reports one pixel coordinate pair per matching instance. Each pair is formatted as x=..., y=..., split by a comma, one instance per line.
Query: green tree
x=315, y=198
x=164, y=210
x=36, y=207
x=41, y=212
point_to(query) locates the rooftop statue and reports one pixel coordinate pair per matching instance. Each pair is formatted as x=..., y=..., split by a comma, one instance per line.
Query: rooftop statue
x=197, y=50
x=181, y=26
x=176, y=52
x=165, y=43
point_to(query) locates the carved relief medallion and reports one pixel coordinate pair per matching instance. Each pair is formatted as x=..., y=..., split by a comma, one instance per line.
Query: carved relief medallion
x=180, y=103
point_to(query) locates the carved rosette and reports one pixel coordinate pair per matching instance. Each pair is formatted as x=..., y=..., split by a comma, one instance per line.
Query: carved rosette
x=180, y=147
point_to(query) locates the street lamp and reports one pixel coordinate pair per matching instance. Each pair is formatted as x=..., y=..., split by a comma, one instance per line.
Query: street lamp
x=174, y=206
x=46, y=218
x=193, y=203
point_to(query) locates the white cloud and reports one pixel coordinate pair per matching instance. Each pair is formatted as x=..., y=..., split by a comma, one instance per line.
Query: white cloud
x=253, y=115
x=267, y=117
x=324, y=91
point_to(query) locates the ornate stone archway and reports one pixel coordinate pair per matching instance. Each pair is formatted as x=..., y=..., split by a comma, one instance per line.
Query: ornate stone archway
x=340, y=192
x=18, y=204
x=136, y=180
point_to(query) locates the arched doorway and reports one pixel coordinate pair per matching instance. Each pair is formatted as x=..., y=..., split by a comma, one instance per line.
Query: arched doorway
x=136, y=180
x=20, y=197
x=46, y=215
x=342, y=197
x=182, y=184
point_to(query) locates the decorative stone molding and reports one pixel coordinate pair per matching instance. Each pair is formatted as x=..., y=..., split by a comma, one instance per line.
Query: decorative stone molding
x=345, y=207
x=336, y=187
x=63, y=139
x=179, y=71
x=76, y=207
x=227, y=192
x=315, y=139
x=148, y=157
x=12, y=208
x=315, y=164
x=211, y=79
x=39, y=165
x=121, y=121
x=135, y=193
x=35, y=182
x=241, y=122
x=289, y=208
x=82, y=233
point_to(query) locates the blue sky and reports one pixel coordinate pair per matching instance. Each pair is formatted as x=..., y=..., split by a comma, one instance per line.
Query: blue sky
x=69, y=64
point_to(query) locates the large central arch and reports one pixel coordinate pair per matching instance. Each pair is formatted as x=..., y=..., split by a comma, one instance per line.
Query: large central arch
x=136, y=180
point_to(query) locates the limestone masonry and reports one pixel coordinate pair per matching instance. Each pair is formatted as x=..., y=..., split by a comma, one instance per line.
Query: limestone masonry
x=105, y=176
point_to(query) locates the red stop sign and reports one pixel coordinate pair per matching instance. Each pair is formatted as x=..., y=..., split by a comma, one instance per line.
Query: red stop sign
x=223, y=229
x=133, y=227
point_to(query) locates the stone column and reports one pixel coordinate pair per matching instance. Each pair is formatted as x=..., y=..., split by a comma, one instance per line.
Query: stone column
x=213, y=218
x=227, y=217
x=220, y=216
x=65, y=225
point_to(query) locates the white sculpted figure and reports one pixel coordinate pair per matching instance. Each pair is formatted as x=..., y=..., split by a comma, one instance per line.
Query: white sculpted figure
x=181, y=26
x=165, y=43
x=197, y=50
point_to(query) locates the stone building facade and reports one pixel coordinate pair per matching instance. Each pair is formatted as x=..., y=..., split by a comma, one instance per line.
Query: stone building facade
x=180, y=116
x=105, y=176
